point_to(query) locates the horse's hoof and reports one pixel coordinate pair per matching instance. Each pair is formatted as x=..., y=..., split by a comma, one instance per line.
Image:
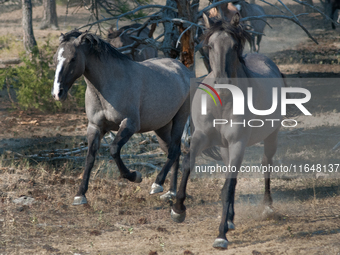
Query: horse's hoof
x=156, y=188
x=79, y=200
x=168, y=196
x=231, y=225
x=177, y=217
x=267, y=211
x=220, y=243
x=138, y=177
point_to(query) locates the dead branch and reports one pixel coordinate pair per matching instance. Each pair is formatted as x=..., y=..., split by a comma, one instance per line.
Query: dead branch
x=156, y=168
x=62, y=156
x=177, y=21
x=200, y=13
x=291, y=18
x=13, y=61
x=127, y=13
x=148, y=41
x=272, y=5
x=337, y=146
x=130, y=156
x=316, y=9
x=297, y=21
x=180, y=36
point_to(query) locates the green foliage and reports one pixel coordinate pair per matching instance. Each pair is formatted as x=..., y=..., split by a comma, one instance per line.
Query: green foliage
x=5, y=42
x=10, y=45
x=33, y=81
x=77, y=92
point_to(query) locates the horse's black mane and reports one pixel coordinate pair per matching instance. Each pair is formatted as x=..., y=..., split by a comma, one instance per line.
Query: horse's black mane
x=98, y=46
x=237, y=32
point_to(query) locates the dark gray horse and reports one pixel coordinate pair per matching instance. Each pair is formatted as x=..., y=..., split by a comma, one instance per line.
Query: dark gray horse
x=330, y=7
x=120, y=38
x=125, y=96
x=248, y=10
x=226, y=42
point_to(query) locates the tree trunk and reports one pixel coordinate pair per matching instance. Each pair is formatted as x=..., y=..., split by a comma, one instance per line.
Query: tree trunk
x=50, y=19
x=187, y=11
x=29, y=40
x=170, y=32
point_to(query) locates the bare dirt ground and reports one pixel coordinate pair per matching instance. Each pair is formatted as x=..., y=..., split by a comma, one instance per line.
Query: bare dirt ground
x=122, y=218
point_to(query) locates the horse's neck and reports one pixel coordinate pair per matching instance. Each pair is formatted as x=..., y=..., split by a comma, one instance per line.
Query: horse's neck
x=237, y=76
x=243, y=70
x=107, y=72
x=238, y=71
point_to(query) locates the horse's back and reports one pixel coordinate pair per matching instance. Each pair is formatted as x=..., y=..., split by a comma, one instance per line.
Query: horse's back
x=248, y=10
x=168, y=66
x=261, y=66
x=168, y=76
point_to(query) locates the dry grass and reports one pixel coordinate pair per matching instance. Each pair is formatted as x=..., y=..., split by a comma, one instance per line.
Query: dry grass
x=122, y=218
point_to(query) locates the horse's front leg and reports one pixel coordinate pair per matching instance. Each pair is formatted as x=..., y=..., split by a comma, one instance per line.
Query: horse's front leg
x=236, y=153
x=198, y=144
x=225, y=157
x=93, y=138
x=126, y=129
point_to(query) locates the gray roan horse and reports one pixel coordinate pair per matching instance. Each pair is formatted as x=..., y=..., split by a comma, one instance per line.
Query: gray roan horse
x=125, y=96
x=226, y=42
x=120, y=38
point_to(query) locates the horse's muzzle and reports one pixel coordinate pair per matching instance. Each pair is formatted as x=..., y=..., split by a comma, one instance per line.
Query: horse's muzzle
x=62, y=95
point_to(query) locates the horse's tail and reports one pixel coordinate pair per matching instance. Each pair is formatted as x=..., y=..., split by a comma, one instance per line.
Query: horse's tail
x=290, y=111
x=213, y=152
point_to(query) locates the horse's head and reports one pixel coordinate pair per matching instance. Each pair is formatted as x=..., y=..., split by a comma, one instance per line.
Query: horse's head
x=225, y=42
x=70, y=63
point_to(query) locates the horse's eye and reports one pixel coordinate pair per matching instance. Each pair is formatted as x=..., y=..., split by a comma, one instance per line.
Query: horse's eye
x=73, y=59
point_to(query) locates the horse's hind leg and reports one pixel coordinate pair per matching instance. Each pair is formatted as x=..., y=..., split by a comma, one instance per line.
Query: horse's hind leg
x=164, y=139
x=174, y=148
x=126, y=130
x=93, y=138
x=270, y=145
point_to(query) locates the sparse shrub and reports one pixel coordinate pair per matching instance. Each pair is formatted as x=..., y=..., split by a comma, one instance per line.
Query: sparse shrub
x=33, y=81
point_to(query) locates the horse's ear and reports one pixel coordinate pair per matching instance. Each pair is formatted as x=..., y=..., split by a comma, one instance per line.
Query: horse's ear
x=80, y=39
x=235, y=20
x=207, y=21
x=61, y=38
x=95, y=40
x=113, y=33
